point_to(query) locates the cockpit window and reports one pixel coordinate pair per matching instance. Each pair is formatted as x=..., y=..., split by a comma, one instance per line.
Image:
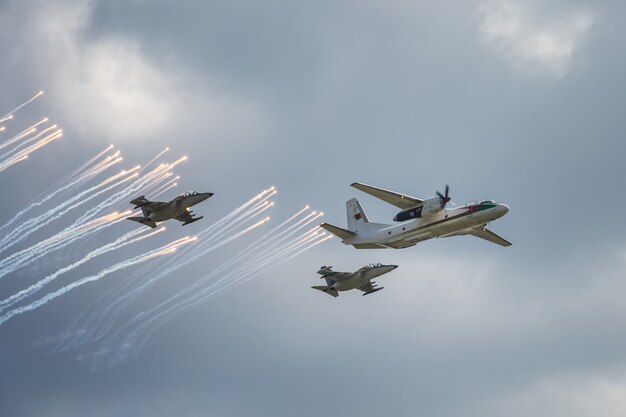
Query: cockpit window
x=370, y=266
x=488, y=202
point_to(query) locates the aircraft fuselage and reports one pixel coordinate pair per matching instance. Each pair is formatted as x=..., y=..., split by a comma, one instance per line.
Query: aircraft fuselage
x=447, y=222
x=359, y=278
x=171, y=209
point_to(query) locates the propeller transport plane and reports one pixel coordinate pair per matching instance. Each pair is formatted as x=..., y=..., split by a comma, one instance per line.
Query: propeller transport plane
x=359, y=280
x=417, y=221
x=160, y=211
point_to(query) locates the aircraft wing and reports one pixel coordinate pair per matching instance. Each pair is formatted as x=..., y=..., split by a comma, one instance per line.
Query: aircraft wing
x=185, y=217
x=369, y=287
x=402, y=201
x=487, y=234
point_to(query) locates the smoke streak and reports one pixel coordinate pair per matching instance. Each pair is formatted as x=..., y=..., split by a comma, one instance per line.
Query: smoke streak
x=117, y=244
x=164, y=250
x=155, y=158
x=32, y=225
x=137, y=338
x=57, y=189
x=56, y=242
x=9, y=114
x=120, y=297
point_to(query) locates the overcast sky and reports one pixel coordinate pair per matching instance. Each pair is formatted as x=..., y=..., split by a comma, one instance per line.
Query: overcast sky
x=518, y=101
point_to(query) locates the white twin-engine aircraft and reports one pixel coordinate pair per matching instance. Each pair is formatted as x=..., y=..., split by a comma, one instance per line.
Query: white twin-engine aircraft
x=419, y=220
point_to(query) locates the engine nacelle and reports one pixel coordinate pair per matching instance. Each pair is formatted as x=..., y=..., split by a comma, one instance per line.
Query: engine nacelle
x=428, y=208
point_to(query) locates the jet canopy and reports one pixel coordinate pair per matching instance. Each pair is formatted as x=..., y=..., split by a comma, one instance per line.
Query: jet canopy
x=188, y=194
x=370, y=266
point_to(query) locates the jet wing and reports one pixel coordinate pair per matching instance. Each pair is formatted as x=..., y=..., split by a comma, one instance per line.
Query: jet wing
x=487, y=234
x=402, y=201
x=369, y=287
x=186, y=217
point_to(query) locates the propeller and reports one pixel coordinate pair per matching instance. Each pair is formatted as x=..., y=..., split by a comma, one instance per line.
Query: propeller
x=444, y=199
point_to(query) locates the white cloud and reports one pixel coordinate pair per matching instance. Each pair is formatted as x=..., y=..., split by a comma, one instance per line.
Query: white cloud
x=105, y=87
x=531, y=39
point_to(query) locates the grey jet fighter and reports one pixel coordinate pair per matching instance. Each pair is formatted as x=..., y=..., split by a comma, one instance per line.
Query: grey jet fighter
x=359, y=280
x=160, y=211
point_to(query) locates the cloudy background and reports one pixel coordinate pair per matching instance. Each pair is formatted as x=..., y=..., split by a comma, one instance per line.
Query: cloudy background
x=518, y=101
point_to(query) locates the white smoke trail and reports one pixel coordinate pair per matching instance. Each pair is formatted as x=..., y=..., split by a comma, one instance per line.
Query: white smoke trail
x=117, y=244
x=138, y=337
x=122, y=194
x=24, y=133
x=161, y=271
x=56, y=242
x=22, y=105
x=20, y=155
x=254, y=247
x=58, y=188
x=251, y=269
x=164, y=250
x=119, y=298
x=164, y=190
x=34, y=224
x=25, y=142
x=155, y=158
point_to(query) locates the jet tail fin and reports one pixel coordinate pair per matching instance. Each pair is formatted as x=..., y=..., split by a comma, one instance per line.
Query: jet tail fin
x=143, y=220
x=330, y=291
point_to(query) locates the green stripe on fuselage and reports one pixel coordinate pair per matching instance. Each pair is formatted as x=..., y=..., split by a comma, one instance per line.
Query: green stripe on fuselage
x=470, y=210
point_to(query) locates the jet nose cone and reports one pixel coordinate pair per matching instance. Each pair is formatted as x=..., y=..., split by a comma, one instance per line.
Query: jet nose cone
x=204, y=196
x=504, y=209
x=393, y=267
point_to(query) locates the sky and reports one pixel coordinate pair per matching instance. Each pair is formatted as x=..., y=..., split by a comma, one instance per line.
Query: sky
x=516, y=101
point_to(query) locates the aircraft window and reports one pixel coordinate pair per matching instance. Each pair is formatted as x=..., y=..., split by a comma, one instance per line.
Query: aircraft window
x=487, y=202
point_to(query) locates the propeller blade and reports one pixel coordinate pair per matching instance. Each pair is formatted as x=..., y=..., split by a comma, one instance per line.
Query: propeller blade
x=444, y=198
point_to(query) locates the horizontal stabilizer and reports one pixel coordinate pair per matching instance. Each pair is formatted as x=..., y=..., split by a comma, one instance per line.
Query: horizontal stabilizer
x=143, y=220
x=330, y=291
x=338, y=231
x=140, y=201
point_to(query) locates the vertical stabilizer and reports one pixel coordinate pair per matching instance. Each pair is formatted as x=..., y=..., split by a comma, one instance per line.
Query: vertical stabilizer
x=356, y=215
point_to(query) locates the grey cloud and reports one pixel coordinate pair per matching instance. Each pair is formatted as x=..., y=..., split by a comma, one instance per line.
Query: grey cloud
x=311, y=97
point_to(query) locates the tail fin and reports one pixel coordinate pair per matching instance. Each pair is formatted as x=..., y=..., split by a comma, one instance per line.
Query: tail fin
x=148, y=222
x=356, y=215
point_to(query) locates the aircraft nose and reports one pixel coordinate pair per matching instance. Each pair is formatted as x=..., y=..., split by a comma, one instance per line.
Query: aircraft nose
x=204, y=196
x=393, y=267
x=503, y=209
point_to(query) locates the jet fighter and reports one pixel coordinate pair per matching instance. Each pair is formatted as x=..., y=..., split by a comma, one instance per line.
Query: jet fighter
x=159, y=211
x=418, y=220
x=359, y=280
